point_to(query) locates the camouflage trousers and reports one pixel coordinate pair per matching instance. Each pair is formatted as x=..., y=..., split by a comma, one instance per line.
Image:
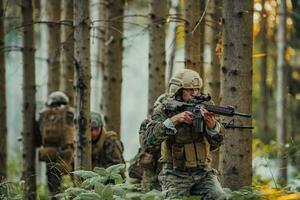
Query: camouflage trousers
x=203, y=182
x=150, y=180
x=54, y=177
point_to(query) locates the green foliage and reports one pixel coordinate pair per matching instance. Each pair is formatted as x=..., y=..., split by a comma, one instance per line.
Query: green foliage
x=11, y=190
x=245, y=193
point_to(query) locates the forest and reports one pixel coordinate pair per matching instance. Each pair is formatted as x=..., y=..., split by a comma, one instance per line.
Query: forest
x=116, y=57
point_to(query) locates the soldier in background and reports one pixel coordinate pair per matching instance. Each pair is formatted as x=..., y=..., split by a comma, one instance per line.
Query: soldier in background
x=107, y=149
x=56, y=131
x=144, y=168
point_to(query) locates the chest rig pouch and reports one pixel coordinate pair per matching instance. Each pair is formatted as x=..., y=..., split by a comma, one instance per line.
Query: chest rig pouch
x=189, y=149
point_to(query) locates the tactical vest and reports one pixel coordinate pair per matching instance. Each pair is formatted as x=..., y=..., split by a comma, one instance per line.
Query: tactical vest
x=186, y=149
x=57, y=126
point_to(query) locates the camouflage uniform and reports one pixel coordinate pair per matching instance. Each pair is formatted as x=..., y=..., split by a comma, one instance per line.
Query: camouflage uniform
x=56, y=134
x=145, y=166
x=107, y=149
x=185, y=152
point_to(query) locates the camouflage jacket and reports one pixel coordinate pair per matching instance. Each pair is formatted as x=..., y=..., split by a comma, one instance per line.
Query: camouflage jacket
x=160, y=128
x=107, y=150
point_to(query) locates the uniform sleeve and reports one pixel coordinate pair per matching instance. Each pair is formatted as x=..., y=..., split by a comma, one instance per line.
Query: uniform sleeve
x=159, y=129
x=215, y=136
x=113, y=151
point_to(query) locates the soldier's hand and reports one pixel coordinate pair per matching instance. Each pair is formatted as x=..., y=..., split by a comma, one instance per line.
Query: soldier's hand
x=184, y=117
x=209, y=117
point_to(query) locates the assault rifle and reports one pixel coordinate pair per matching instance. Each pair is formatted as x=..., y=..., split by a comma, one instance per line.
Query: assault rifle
x=175, y=107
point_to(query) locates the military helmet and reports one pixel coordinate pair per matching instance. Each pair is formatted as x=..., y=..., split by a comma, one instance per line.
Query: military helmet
x=57, y=98
x=96, y=120
x=185, y=79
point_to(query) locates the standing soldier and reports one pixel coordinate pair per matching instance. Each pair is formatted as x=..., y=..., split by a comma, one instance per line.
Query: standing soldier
x=56, y=124
x=107, y=149
x=185, y=150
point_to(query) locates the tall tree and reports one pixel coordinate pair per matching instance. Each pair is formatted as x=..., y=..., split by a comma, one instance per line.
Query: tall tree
x=236, y=90
x=213, y=33
x=112, y=73
x=102, y=14
x=194, y=33
x=67, y=53
x=171, y=63
x=53, y=12
x=82, y=23
x=263, y=121
x=157, y=53
x=3, y=125
x=281, y=93
x=29, y=105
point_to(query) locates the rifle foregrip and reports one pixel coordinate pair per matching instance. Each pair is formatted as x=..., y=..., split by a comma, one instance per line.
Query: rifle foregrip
x=226, y=111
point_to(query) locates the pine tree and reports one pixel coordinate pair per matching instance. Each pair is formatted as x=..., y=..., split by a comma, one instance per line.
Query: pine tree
x=236, y=90
x=3, y=125
x=29, y=104
x=83, y=147
x=157, y=53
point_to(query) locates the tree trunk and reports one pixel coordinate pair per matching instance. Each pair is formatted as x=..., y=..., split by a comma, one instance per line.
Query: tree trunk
x=112, y=73
x=101, y=42
x=83, y=85
x=194, y=33
x=67, y=54
x=236, y=90
x=281, y=93
x=3, y=124
x=176, y=8
x=213, y=32
x=157, y=53
x=263, y=121
x=29, y=105
x=53, y=12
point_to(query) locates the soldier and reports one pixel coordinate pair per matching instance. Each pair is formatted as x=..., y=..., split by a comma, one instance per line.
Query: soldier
x=145, y=166
x=56, y=131
x=185, y=152
x=107, y=149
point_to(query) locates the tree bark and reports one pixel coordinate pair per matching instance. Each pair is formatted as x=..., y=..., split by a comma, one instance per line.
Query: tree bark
x=213, y=33
x=281, y=93
x=263, y=121
x=112, y=73
x=102, y=25
x=157, y=53
x=29, y=105
x=236, y=90
x=83, y=85
x=3, y=117
x=194, y=35
x=53, y=12
x=67, y=54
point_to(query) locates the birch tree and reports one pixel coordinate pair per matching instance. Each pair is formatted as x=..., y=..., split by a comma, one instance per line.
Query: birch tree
x=281, y=93
x=53, y=12
x=236, y=90
x=3, y=124
x=157, y=53
x=83, y=85
x=29, y=105
x=112, y=73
